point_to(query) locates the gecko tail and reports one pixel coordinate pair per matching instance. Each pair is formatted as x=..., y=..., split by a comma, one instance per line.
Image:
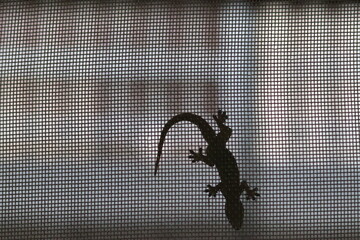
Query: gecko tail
x=157, y=163
x=207, y=132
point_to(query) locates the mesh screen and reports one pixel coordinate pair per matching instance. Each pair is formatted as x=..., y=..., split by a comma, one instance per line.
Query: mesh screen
x=87, y=87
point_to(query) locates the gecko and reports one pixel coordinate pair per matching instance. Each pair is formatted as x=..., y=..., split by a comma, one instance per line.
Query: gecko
x=216, y=154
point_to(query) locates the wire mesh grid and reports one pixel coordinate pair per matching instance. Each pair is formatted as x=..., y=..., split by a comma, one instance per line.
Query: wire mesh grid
x=86, y=88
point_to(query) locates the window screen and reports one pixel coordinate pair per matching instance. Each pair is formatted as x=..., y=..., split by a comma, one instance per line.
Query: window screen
x=87, y=87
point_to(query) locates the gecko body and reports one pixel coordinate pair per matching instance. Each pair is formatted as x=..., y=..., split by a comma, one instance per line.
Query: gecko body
x=219, y=156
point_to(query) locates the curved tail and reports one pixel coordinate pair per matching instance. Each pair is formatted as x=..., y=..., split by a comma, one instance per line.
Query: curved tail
x=206, y=130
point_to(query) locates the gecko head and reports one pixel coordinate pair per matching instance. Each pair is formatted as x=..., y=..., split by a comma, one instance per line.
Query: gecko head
x=234, y=212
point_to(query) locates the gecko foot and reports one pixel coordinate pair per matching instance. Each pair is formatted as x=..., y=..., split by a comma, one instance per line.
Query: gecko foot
x=221, y=117
x=197, y=157
x=211, y=190
x=250, y=193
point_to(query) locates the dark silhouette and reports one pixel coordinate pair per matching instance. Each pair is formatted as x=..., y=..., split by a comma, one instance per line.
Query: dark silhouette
x=219, y=156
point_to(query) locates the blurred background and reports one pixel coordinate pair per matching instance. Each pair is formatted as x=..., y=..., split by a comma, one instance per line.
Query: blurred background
x=87, y=86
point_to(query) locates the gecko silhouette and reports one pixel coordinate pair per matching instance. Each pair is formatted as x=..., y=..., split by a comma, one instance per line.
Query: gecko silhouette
x=219, y=156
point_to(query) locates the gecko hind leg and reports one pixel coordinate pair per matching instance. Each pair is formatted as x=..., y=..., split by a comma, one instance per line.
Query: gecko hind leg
x=225, y=132
x=197, y=157
x=220, y=118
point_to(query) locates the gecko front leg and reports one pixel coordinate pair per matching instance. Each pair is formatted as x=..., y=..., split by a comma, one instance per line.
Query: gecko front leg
x=213, y=190
x=250, y=193
x=197, y=157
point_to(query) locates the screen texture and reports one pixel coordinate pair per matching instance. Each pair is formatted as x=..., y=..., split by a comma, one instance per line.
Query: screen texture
x=87, y=87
